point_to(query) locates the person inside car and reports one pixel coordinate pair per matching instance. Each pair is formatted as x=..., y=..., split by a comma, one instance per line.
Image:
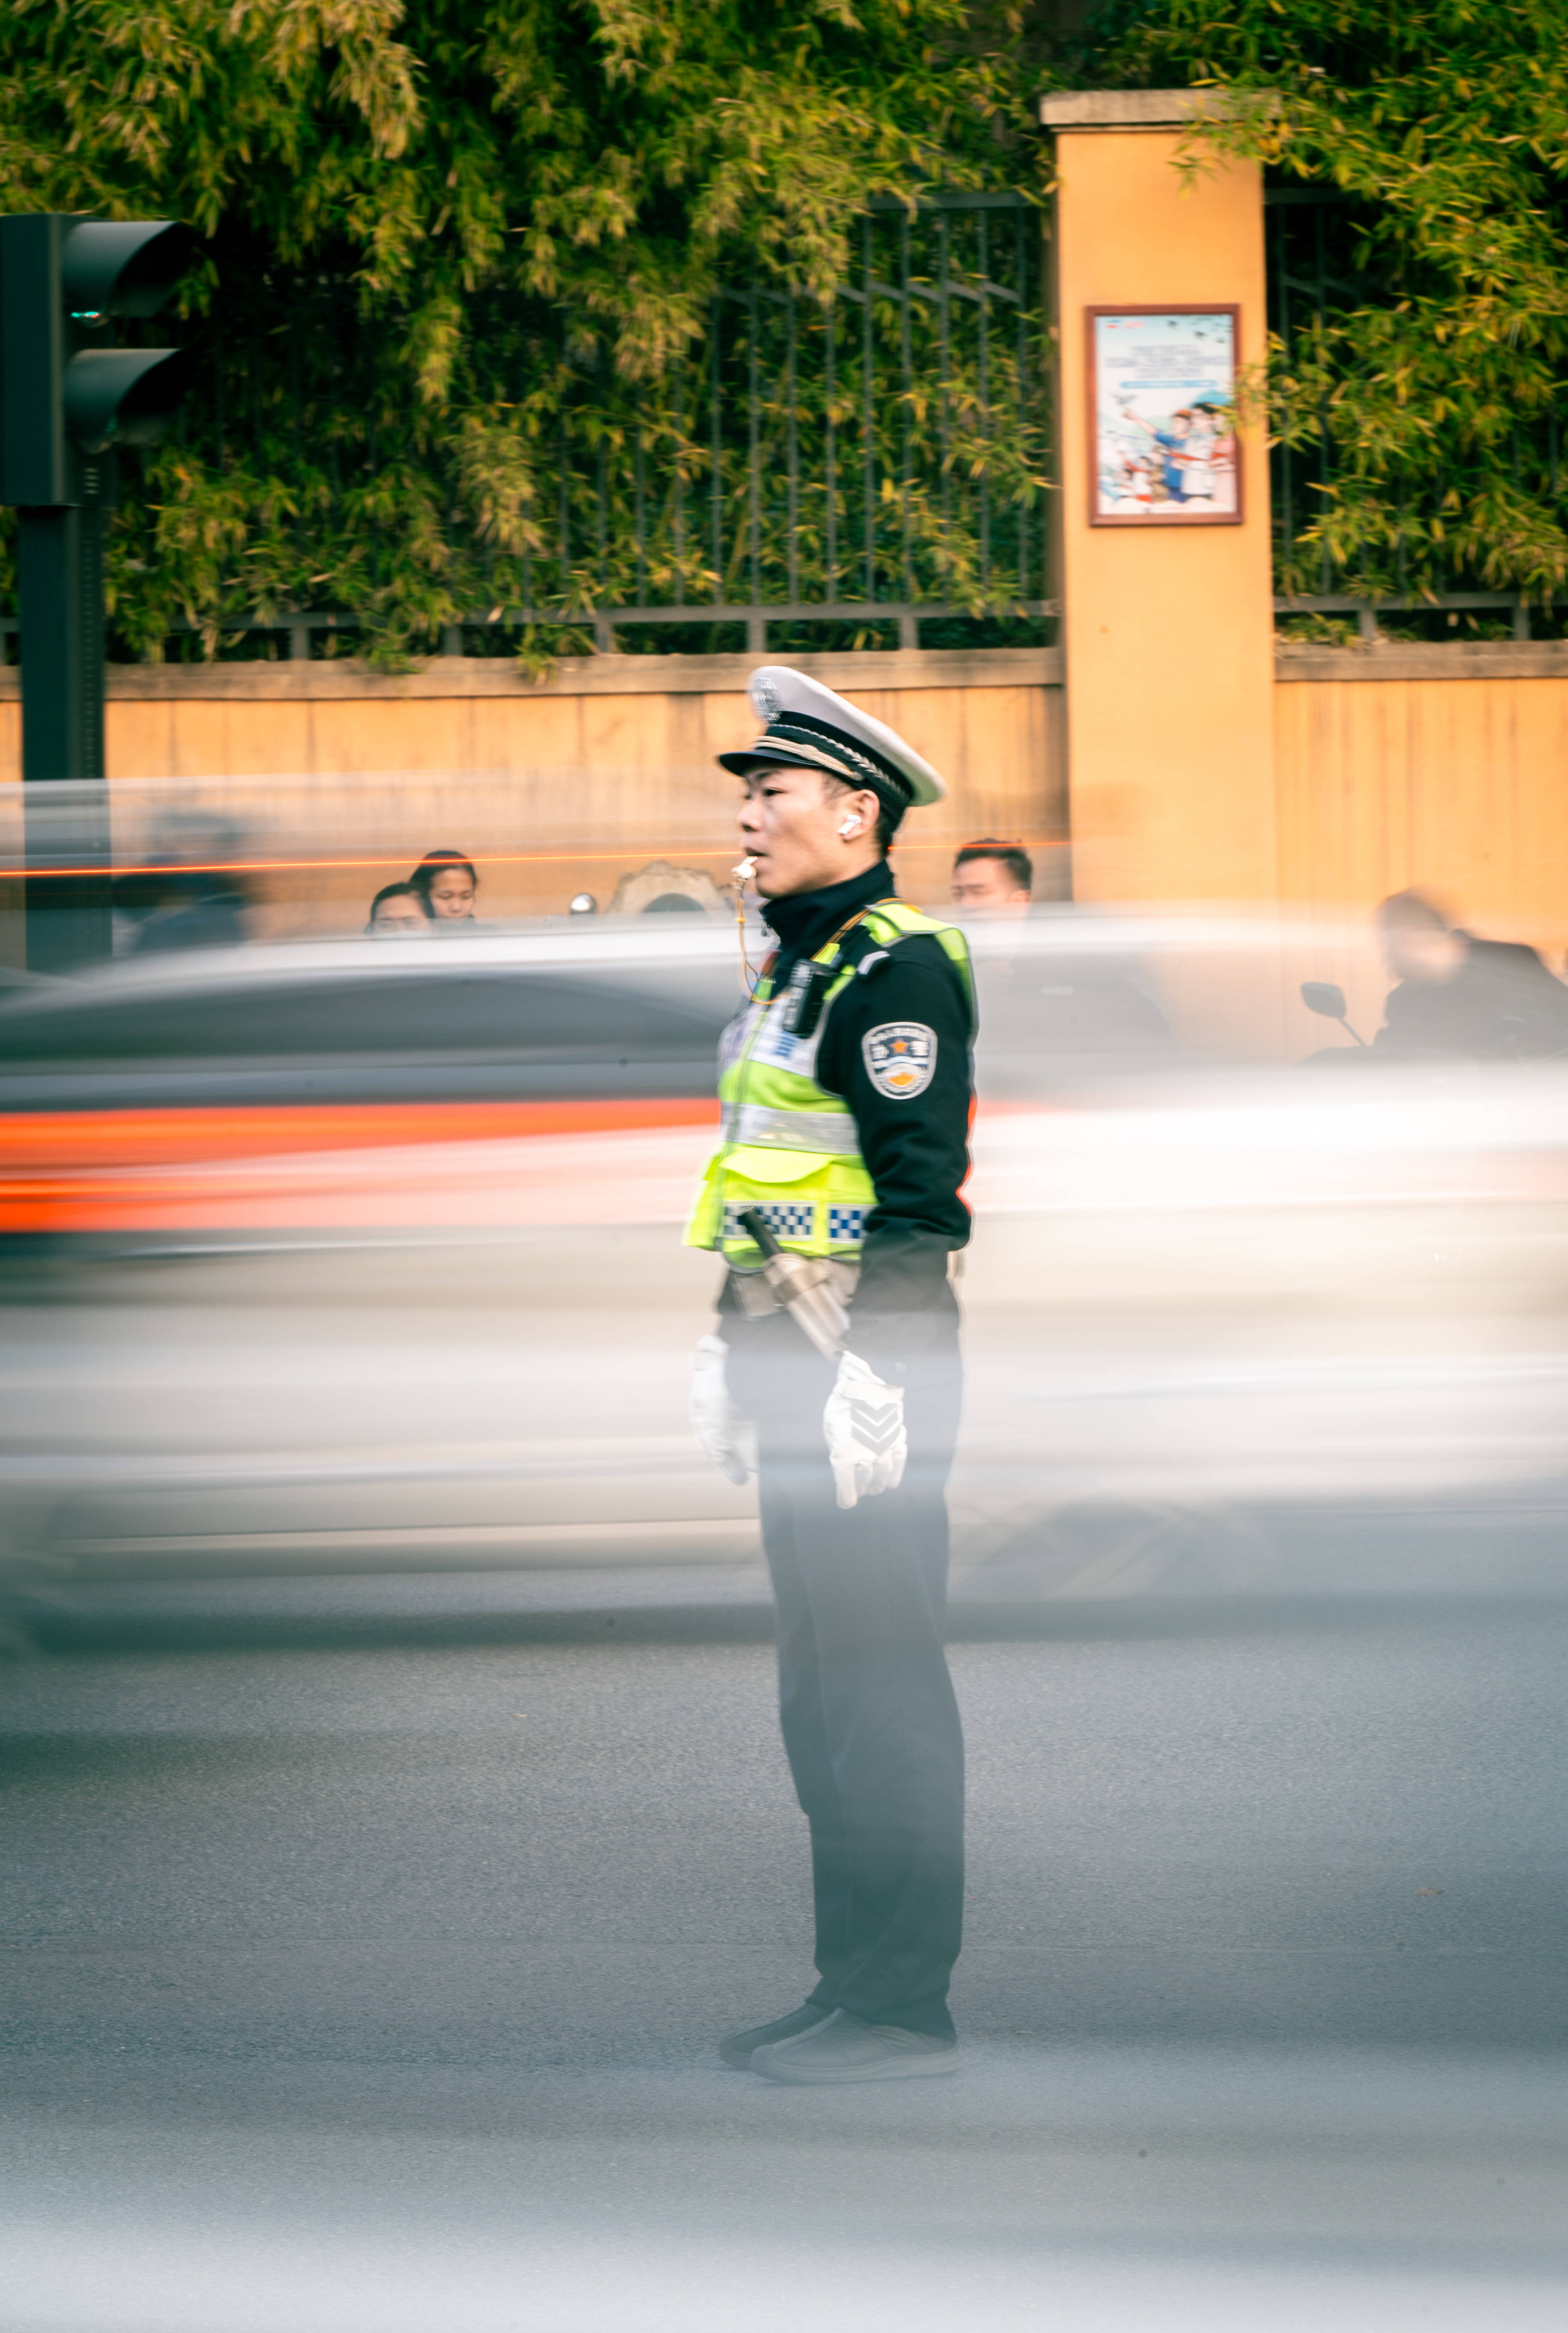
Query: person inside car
x=449, y=884
x=399, y=912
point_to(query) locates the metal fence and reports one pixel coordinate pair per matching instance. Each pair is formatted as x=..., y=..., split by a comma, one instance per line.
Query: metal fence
x=864, y=460
x=869, y=462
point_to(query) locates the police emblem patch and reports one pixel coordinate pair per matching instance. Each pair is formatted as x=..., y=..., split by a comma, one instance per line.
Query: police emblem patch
x=899, y=1058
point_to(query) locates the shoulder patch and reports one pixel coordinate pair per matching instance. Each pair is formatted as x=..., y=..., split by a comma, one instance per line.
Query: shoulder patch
x=899, y=1058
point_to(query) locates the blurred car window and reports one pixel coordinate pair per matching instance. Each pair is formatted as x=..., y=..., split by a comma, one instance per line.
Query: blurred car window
x=507, y=1010
x=1073, y=1006
x=1047, y=1019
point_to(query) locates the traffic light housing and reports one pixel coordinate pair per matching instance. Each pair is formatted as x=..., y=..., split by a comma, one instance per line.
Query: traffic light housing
x=69, y=396
x=65, y=389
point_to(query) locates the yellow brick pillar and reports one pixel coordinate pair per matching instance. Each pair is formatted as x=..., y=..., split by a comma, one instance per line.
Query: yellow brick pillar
x=1167, y=625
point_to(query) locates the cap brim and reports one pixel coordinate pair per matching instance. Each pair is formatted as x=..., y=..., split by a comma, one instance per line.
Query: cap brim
x=793, y=756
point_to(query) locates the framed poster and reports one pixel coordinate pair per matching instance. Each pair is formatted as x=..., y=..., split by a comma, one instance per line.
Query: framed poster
x=1163, y=417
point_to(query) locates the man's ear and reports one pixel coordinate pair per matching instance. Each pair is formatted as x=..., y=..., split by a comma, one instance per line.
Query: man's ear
x=857, y=814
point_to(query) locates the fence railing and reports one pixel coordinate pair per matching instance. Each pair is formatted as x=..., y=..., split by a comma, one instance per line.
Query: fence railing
x=1367, y=611
x=294, y=628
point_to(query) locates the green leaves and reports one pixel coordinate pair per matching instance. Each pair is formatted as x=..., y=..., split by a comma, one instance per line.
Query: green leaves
x=463, y=258
x=1425, y=383
x=461, y=263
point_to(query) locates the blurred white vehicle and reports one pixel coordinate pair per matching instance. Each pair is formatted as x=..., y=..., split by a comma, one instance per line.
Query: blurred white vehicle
x=341, y=1257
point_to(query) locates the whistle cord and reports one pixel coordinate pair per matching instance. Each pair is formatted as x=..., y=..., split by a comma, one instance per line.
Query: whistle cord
x=742, y=874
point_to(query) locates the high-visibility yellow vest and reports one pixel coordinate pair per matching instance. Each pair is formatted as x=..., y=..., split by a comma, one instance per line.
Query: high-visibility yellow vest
x=788, y=1147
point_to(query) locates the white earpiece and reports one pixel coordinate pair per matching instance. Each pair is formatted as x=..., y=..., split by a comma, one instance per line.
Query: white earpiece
x=850, y=826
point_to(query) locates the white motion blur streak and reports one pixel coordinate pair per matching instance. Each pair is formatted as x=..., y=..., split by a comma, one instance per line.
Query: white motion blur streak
x=90, y=2276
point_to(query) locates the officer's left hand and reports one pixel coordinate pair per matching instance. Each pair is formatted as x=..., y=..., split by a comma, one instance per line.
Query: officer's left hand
x=864, y=1421
x=720, y=1435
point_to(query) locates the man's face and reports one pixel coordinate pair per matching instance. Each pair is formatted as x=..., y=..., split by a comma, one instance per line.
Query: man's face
x=803, y=832
x=400, y=919
x=986, y=887
x=1422, y=952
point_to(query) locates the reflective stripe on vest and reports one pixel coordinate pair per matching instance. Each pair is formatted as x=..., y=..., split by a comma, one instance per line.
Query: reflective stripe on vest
x=788, y=1147
x=750, y=1123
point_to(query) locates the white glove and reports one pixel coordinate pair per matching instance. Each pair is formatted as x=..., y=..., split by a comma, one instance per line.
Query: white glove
x=864, y=1421
x=720, y=1433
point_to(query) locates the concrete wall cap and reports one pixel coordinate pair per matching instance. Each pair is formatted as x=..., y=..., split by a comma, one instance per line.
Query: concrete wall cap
x=1456, y=660
x=1149, y=109
x=287, y=680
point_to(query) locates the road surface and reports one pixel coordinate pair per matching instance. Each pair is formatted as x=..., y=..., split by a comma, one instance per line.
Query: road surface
x=366, y=1982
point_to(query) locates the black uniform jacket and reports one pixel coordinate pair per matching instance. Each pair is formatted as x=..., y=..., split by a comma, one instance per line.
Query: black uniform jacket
x=1502, y=1005
x=916, y=1149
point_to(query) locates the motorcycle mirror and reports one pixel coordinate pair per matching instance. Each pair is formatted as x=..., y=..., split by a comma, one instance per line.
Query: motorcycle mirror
x=1325, y=996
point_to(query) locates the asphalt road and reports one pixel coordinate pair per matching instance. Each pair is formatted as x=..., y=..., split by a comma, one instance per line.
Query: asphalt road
x=349, y=1986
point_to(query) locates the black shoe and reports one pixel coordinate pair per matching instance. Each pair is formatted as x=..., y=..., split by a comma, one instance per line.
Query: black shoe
x=844, y=2048
x=736, y=2047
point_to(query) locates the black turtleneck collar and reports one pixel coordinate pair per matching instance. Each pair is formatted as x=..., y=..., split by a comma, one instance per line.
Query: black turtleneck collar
x=807, y=920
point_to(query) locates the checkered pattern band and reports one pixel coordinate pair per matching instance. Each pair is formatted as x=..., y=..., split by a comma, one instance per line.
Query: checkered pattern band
x=786, y=1219
x=846, y=1225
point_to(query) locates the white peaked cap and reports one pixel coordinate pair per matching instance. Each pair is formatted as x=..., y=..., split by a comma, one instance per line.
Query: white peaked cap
x=808, y=726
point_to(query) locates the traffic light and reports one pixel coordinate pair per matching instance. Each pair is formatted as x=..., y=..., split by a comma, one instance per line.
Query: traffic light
x=68, y=392
x=69, y=396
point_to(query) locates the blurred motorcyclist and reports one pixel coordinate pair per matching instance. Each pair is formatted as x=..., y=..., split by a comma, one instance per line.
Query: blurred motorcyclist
x=189, y=895
x=1455, y=993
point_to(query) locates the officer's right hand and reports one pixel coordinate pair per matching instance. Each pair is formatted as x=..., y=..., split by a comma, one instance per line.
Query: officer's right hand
x=720, y=1433
x=863, y=1423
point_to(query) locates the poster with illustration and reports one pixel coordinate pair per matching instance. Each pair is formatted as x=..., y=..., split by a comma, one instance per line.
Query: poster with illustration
x=1161, y=399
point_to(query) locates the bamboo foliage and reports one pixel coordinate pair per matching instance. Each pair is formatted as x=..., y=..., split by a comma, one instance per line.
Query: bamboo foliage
x=472, y=268
x=1426, y=388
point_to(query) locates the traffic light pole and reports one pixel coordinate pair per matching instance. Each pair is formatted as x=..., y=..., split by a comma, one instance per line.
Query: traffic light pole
x=68, y=395
x=63, y=668
x=62, y=578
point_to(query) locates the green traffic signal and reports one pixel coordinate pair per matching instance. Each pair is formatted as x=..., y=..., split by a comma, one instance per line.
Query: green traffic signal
x=123, y=268
x=64, y=389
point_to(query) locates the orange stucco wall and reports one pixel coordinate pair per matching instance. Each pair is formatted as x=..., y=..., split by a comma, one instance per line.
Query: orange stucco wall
x=1169, y=632
x=1456, y=787
x=552, y=791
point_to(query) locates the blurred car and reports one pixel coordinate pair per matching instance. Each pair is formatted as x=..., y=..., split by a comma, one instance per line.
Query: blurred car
x=335, y=1258
x=338, y=1257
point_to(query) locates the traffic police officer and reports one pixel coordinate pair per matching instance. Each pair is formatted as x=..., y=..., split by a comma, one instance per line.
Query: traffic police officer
x=846, y=1084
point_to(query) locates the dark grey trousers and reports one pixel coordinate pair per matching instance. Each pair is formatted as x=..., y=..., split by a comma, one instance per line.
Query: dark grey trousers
x=871, y=1726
